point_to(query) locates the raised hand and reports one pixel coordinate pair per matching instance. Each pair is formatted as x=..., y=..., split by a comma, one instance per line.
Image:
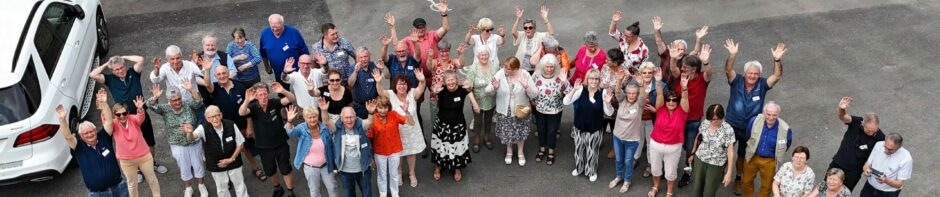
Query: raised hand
x=385, y=40
x=658, y=75
x=495, y=83
x=466, y=85
x=157, y=63
x=414, y=35
x=845, y=102
x=649, y=107
x=193, y=56
x=102, y=96
x=779, y=51
x=276, y=87
x=501, y=30
x=673, y=50
x=205, y=63
x=461, y=47
x=323, y=104
x=657, y=23
x=250, y=95
x=471, y=28
x=706, y=52
x=544, y=12
x=139, y=103
x=370, y=106
x=419, y=75
x=731, y=46
x=376, y=75
x=310, y=86
x=186, y=128
x=442, y=6
x=156, y=91
x=685, y=82
x=320, y=58
x=59, y=110
x=519, y=12
x=700, y=33
x=608, y=97
x=291, y=113
x=289, y=65
x=616, y=16
x=187, y=85
x=577, y=83
x=389, y=19
x=404, y=105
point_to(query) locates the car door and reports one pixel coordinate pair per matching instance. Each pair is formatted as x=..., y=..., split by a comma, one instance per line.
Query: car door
x=59, y=48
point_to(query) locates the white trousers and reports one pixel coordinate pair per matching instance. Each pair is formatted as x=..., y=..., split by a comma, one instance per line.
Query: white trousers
x=664, y=154
x=388, y=169
x=189, y=160
x=647, y=130
x=315, y=176
x=237, y=179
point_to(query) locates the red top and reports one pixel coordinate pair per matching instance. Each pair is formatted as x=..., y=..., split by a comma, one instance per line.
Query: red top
x=583, y=64
x=384, y=134
x=428, y=42
x=669, y=128
x=128, y=140
x=697, y=90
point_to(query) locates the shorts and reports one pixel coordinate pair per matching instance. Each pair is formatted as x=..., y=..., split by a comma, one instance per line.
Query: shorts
x=250, y=146
x=146, y=128
x=274, y=159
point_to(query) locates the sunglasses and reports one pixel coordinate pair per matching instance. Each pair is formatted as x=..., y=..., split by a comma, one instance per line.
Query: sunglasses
x=120, y=114
x=528, y=27
x=673, y=100
x=488, y=30
x=334, y=80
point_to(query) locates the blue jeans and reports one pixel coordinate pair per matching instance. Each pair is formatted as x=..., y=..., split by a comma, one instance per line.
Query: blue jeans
x=119, y=190
x=624, y=151
x=869, y=191
x=691, y=130
x=362, y=179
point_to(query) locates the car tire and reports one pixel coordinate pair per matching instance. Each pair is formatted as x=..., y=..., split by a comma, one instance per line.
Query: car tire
x=74, y=119
x=104, y=40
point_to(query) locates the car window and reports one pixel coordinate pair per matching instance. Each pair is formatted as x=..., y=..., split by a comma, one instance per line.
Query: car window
x=22, y=99
x=51, y=34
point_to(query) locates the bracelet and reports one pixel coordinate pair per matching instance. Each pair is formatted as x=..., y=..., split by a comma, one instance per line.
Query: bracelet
x=776, y=60
x=443, y=15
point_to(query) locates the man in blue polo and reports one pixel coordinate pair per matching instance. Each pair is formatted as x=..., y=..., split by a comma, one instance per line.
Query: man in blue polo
x=95, y=156
x=279, y=42
x=361, y=82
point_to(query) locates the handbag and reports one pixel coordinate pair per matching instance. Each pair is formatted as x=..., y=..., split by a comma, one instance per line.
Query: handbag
x=523, y=111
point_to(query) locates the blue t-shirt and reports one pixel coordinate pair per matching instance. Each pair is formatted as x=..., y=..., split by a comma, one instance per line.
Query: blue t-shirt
x=395, y=68
x=767, y=143
x=100, y=169
x=277, y=50
x=743, y=105
x=124, y=91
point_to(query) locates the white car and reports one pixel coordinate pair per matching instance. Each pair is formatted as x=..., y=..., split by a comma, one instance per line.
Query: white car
x=47, y=48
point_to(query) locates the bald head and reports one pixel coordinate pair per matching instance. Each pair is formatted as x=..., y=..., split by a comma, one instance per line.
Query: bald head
x=305, y=62
x=401, y=50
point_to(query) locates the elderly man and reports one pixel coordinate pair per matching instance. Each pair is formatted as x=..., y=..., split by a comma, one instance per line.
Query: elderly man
x=361, y=82
x=175, y=71
x=221, y=149
x=228, y=95
x=531, y=39
x=748, y=93
x=277, y=43
x=270, y=137
x=124, y=87
x=307, y=75
x=768, y=138
x=427, y=40
x=681, y=45
x=187, y=152
x=399, y=63
x=857, y=142
x=95, y=156
x=336, y=50
x=217, y=58
x=888, y=167
x=351, y=147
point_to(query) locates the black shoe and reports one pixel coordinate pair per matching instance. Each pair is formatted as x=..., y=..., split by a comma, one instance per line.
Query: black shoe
x=476, y=148
x=290, y=193
x=685, y=180
x=278, y=191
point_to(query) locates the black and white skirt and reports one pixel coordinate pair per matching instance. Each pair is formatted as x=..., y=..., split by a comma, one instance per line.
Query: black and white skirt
x=449, y=145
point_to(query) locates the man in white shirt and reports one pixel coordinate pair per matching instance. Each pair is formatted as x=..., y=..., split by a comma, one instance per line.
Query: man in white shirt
x=888, y=167
x=175, y=71
x=307, y=75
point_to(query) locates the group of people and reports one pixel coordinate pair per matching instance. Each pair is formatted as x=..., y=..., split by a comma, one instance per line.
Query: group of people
x=219, y=111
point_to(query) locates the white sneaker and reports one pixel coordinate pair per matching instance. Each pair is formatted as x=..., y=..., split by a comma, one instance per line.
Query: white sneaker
x=203, y=192
x=508, y=159
x=575, y=172
x=521, y=161
x=140, y=178
x=593, y=178
x=159, y=168
x=188, y=192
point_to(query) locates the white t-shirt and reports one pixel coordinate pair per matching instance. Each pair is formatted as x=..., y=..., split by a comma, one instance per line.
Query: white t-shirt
x=527, y=47
x=895, y=166
x=299, y=86
x=175, y=79
x=491, y=44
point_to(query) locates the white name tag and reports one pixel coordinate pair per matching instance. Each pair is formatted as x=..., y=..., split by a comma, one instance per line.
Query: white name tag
x=411, y=68
x=863, y=147
x=326, y=93
x=632, y=111
x=456, y=99
x=364, y=146
x=371, y=80
x=481, y=81
x=105, y=152
x=755, y=98
x=228, y=139
x=285, y=47
x=340, y=53
x=781, y=141
x=239, y=100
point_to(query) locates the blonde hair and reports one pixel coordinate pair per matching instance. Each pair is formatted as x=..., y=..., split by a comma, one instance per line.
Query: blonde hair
x=648, y=65
x=383, y=101
x=593, y=73
x=310, y=111
x=485, y=23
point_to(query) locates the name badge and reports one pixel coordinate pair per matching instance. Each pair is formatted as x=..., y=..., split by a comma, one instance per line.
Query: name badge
x=285, y=47
x=632, y=111
x=340, y=53
x=364, y=146
x=371, y=80
x=456, y=99
x=781, y=141
x=239, y=100
x=863, y=147
x=411, y=67
x=755, y=98
x=326, y=93
x=481, y=81
x=228, y=139
x=105, y=152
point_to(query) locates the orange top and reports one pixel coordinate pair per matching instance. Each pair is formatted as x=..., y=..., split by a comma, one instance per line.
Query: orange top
x=384, y=134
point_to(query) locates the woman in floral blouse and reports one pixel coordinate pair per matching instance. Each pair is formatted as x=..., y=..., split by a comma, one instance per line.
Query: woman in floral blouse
x=548, y=92
x=714, y=146
x=833, y=186
x=479, y=75
x=794, y=178
x=609, y=80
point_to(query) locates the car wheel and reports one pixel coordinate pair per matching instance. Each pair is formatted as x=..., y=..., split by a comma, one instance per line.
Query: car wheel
x=104, y=41
x=74, y=120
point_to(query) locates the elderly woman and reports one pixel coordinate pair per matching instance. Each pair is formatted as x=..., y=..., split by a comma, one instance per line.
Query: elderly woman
x=449, y=144
x=550, y=85
x=334, y=92
x=629, y=128
x=403, y=100
x=795, y=178
x=314, y=150
x=632, y=46
x=713, y=149
x=443, y=63
x=666, y=139
x=530, y=40
x=130, y=149
x=480, y=74
x=187, y=152
x=512, y=102
x=486, y=40
x=586, y=130
x=610, y=78
x=589, y=56
x=645, y=76
x=833, y=186
x=246, y=57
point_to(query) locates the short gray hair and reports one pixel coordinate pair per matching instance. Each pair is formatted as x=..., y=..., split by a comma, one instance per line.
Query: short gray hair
x=209, y=37
x=115, y=60
x=590, y=37
x=681, y=41
x=362, y=49
x=870, y=117
x=172, y=93
x=443, y=45
x=896, y=138
x=771, y=104
x=549, y=42
x=276, y=16
x=86, y=126
x=172, y=50
x=754, y=64
x=212, y=108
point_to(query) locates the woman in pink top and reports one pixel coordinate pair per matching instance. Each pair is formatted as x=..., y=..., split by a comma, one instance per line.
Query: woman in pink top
x=666, y=140
x=590, y=55
x=131, y=150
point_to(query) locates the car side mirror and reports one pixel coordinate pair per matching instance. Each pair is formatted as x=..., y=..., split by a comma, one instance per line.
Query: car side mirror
x=76, y=11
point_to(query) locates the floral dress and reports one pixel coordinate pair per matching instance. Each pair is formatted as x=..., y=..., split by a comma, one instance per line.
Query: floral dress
x=794, y=185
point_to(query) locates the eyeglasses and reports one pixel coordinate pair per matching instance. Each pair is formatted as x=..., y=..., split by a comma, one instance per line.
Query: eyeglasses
x=646, y=73
x=488, y=30
x=528, y=27
x=306, y=63
x=120, y=114
x=673, y=100
x=334, y=80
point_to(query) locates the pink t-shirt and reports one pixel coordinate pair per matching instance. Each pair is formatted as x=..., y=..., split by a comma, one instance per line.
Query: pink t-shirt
x=669, y=128
x=427, y=42
x=128, y=141
x=582, y=63
x=315, y=155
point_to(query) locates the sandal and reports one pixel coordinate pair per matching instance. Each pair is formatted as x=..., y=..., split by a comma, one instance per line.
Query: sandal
x=260, y=175
x=489, y=145
x=551, y=159
x=647, y=173
x=476, y=148
x=668, y=194
x=625, y=187
x=538, y=157
x=414, y=180
x=652, y=192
